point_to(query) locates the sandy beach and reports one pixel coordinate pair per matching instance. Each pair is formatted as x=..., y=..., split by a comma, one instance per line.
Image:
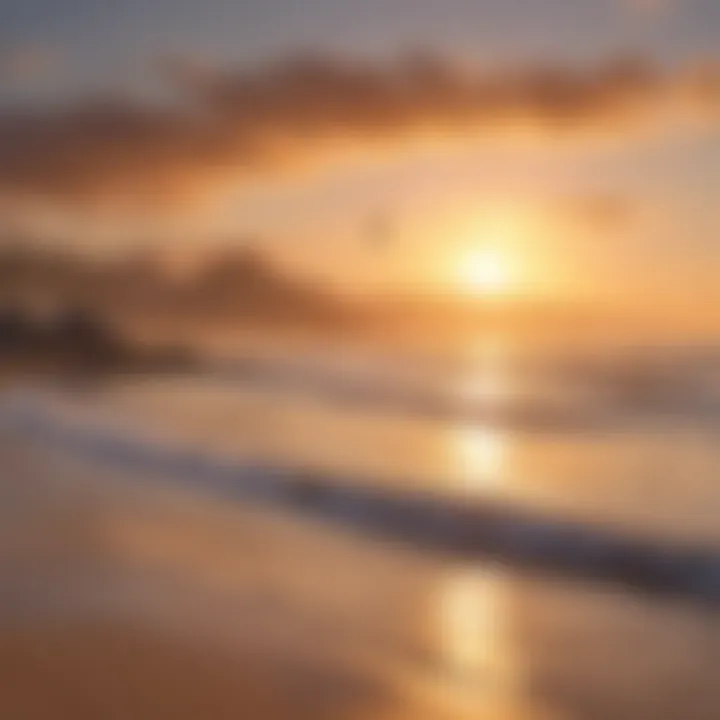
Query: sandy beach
x=127, y=599
x=126, y=592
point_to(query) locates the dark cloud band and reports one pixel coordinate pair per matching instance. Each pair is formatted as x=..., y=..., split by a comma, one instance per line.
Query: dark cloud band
x=232, y=125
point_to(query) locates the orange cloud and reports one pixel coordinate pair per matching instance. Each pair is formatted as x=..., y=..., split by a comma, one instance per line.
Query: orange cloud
x=230, y=126
x=600, y=212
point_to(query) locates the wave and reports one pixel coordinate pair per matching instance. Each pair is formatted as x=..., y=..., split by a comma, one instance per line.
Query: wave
x=487, y=530
x=562, y=392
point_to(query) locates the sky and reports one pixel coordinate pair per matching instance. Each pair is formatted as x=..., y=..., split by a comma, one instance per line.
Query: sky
x=571, y=145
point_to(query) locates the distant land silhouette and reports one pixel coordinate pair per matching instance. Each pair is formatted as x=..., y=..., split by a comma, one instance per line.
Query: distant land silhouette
x=233, y=284
x=237, y=289
x=76, y=340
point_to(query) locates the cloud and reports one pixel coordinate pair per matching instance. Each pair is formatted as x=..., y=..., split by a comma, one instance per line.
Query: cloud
x=600, y=212
x=225, y=127
x=650, y=8
x=26, y=63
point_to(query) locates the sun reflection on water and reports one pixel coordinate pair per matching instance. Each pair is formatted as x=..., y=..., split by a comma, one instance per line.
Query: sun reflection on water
x=473, y=602
x=470, y=622
x=480, y=456
x=480, y=670
x=479, y=448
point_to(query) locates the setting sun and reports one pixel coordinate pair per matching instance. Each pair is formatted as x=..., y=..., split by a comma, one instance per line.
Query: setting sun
x=485, y=272
x=486, y=258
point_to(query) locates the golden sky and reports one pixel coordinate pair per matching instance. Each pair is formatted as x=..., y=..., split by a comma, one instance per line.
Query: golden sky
x=555, y=148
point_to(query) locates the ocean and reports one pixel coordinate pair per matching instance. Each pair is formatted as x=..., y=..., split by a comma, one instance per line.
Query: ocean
x=581, y=453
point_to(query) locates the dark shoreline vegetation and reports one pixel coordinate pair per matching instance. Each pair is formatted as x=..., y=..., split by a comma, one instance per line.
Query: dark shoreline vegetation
x=63, y=312
x=232, y=284
x=77, y=343
x=146, y=297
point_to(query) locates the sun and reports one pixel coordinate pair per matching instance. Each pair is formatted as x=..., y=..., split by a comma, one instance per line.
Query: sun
x=485, y=271
x=490, y=256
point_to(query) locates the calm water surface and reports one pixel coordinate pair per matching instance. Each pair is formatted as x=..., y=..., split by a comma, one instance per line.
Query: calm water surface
x=476, y=641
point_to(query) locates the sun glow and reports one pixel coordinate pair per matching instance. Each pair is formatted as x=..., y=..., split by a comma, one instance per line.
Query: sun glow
x=486, y=272
x=487, y=261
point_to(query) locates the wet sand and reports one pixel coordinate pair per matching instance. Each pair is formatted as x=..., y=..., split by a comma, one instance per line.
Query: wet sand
x=112, y=669
x=124, y=599
x=127, y=596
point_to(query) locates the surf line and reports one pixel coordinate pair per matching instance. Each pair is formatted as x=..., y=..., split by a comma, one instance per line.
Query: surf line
x=482, y=530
